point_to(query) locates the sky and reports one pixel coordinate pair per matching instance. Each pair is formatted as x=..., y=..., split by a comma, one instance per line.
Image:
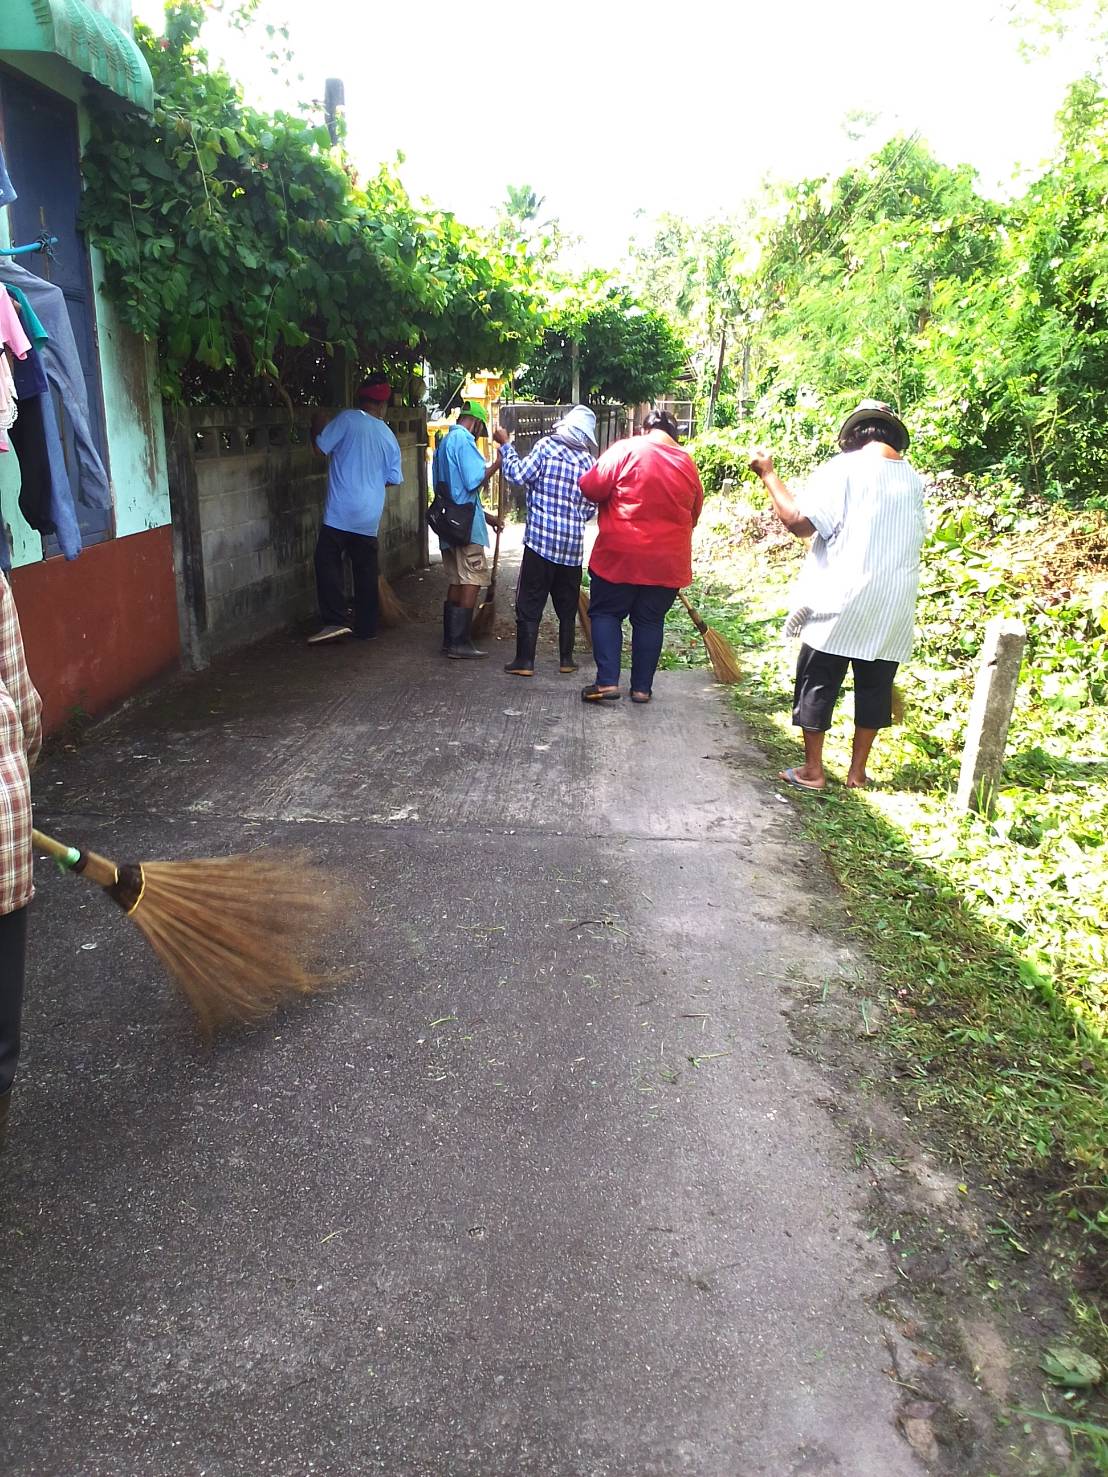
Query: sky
x=611, y=108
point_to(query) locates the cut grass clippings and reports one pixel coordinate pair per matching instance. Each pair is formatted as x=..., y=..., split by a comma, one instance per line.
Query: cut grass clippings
x=988, y=934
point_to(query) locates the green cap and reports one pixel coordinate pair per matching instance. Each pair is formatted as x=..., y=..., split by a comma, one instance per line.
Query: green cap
x=473, y=408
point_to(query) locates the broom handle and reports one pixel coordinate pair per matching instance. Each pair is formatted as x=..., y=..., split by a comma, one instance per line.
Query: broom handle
x=697, y=619
x=91, y=865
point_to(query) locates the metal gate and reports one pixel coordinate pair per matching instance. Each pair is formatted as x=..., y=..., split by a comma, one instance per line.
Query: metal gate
x=530, y=422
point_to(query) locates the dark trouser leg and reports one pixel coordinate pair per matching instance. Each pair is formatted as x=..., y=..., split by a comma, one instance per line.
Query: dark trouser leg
x=362, y=550
x=819, y=679
x=873, y=710
x=873, y=693
x=533, y=586
x=329, y=583
x=13, y=954
x=565, y=591
x=609, y=605
x=648, y=624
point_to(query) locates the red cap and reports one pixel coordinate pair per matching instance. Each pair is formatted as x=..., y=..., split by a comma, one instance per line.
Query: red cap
x=375, y=389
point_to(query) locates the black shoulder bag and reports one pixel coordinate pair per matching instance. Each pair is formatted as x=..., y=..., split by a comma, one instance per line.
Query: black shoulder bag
x=453, y=522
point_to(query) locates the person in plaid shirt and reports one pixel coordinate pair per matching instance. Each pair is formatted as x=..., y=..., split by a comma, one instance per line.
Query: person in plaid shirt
x=554, y=538
x=20, y=737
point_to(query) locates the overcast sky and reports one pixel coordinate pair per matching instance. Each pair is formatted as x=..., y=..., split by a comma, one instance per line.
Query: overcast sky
x=613, y=107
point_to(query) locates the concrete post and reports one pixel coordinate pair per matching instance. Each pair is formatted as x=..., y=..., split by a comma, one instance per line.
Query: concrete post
x=994, y=696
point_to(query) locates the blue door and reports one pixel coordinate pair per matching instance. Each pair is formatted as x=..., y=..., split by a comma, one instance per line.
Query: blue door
x=43, y=159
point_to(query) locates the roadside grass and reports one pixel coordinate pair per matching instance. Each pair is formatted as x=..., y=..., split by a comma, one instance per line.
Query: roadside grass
x=988, y=934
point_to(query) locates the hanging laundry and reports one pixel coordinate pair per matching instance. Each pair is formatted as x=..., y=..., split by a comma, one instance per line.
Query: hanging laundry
x=7, y=189
x=31, y=325
x=63, y=369
x=12, y=338
x=45, y=496
x=28, y=373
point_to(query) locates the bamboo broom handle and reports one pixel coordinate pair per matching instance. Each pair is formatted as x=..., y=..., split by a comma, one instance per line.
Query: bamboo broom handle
x=697, y=619
x=89, y=863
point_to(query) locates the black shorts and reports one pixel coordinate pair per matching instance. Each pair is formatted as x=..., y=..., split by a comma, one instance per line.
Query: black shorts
x=819, y=676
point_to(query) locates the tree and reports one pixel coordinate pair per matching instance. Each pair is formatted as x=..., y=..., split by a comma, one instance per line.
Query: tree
x=627, y=353
x=238, y=241
x=701, y=276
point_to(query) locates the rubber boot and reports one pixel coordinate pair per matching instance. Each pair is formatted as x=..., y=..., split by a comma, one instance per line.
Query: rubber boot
x=447, y=607
x=527, y=635
x=460, y=645
x=567, y=632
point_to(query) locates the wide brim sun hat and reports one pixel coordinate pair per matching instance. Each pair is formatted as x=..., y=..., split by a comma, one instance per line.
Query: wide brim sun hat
x=875, y=410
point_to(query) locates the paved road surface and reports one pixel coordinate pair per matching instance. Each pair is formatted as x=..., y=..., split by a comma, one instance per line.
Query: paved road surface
x=540, y=1192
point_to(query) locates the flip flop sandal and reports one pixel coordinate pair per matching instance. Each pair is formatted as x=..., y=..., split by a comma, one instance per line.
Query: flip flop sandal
x=641, y=697
x=593, y=694
x=790, y=778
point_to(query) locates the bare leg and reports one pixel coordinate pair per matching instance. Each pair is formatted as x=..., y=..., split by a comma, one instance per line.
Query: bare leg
x=811, y=771
x=857, y=778
x=463, y=595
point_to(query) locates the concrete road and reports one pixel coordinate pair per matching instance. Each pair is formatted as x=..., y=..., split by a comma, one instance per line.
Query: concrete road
x=540, y=1191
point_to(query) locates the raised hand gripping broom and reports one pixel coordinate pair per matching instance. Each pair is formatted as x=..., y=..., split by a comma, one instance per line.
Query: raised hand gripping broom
x=721, y=654
x=236, y=932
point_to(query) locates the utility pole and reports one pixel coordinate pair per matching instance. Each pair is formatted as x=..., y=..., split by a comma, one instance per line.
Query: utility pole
x=334, y=106
x=575, y=371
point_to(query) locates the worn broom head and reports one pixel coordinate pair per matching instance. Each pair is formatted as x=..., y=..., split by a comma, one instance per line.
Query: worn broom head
x=583, y=617
x=721, y=654
x=485, y=614
x=390, y=609
x=238, y=933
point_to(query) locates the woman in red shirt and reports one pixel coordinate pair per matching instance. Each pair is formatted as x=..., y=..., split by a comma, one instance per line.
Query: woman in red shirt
x=649, y=497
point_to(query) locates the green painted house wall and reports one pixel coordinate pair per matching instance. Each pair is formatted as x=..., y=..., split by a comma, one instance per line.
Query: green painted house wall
x=132, y=405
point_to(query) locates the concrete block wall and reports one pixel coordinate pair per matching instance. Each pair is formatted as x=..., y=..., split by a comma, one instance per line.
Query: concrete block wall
x=247, y=492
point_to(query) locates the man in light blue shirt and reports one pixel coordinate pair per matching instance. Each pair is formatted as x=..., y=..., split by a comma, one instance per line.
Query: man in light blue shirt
x=460, y=468
x=363, y=461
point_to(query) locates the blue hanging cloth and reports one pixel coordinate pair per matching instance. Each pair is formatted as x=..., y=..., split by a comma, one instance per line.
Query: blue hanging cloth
x=7, y=189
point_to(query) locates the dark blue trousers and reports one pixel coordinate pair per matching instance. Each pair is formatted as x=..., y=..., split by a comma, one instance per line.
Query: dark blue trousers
x=609, y=606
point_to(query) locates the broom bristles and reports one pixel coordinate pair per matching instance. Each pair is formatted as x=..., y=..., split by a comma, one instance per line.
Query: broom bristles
x=238, y=933
x=391, y=610
x=583, y=617
x=484, y=615
x=721, y=654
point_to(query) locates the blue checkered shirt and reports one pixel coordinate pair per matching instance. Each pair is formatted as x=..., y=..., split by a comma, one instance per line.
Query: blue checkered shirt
x=556, y=511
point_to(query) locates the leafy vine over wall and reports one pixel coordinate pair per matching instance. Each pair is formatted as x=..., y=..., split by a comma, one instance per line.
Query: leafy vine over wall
x=239, y=242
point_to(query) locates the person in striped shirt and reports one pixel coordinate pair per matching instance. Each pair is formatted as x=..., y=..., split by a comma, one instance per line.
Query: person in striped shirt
x=864, y=512
x=554, y=538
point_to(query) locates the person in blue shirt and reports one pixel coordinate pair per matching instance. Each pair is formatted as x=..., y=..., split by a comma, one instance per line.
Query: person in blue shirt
x=459, y=466
x=363, y=461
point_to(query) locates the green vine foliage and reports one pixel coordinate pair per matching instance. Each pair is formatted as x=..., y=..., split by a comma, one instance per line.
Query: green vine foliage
x=238, y=241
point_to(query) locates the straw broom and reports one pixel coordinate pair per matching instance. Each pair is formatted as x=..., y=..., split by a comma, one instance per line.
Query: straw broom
x=583, y=617
x=391, y=610
x=725, y=664
x=235, y=933
x=485, y=615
